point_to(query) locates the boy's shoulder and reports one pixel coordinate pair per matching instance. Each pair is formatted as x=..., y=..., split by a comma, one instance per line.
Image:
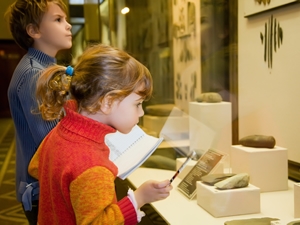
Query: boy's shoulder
x=38, y=59
x=32, y=63
x=28, y=62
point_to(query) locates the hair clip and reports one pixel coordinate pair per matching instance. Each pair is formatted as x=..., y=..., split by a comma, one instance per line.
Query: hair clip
x=70, y=70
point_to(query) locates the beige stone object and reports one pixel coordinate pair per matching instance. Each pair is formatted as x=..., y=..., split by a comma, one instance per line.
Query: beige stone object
x=211, y=97
x=237, y=181
x=258, y=141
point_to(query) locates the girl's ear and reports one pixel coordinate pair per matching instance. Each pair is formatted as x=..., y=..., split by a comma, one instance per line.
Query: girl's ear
x=33, y=31
x=106, y=104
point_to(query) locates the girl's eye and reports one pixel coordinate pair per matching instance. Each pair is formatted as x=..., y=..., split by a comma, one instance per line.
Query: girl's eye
x=139, y=104
x=58, y=19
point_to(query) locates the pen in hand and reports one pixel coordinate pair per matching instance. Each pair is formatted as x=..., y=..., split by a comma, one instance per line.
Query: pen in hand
x=183, y=165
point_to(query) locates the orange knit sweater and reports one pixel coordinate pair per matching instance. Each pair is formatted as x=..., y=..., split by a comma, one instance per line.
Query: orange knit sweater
x=76, y=176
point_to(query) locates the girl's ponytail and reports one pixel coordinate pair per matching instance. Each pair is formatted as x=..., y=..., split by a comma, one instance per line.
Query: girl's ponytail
x=53, y=91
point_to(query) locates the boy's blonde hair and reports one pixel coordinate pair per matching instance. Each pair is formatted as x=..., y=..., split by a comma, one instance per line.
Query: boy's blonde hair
x=22, y=13
x=101, y=71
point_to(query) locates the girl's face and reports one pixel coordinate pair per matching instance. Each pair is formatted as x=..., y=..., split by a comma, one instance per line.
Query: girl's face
x=125, y=114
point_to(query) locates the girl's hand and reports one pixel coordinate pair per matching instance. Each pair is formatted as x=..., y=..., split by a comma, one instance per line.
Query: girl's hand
x=152, y=191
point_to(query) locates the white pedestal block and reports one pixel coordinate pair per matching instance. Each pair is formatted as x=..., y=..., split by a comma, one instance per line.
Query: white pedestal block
x=210, y=127
x=267, y=168
x=220, y=203
x=297, y=200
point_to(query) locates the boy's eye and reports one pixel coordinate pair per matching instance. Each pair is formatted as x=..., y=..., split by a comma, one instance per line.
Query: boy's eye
x=139, y=104
x=58, y=19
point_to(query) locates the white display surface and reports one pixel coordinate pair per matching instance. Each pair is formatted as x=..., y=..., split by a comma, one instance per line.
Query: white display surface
x=178, y=210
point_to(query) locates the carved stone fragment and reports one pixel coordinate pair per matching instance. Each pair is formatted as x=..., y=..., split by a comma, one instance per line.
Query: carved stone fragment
x=297, y=222
x=258, y=141
x=237, y=181
x=210, y=97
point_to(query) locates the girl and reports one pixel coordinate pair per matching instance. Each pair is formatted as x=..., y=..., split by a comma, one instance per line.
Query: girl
x=106, y=90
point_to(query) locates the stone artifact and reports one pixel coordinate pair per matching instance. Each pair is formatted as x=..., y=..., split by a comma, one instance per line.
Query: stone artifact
x=252, y=221
x=237, y=181
x=297, y=222
x=211, y=179
x=258, y=141
x=210, y=97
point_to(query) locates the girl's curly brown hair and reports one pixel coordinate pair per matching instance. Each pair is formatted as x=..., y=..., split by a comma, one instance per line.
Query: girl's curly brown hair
x=100, y=71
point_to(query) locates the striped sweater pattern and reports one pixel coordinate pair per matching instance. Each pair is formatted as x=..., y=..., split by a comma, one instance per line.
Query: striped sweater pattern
x=30, y=128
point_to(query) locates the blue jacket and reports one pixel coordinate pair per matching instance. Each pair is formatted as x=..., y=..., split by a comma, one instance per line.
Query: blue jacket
x=30, y=128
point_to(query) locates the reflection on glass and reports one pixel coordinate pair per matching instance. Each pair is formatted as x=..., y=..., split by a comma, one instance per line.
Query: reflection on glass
x=214, y=22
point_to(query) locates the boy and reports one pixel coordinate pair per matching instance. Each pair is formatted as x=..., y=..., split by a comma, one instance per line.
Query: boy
x=41, y=28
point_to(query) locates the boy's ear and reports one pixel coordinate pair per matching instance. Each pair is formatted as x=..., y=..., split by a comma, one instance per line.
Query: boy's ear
x=33, y=31
x=106, y=104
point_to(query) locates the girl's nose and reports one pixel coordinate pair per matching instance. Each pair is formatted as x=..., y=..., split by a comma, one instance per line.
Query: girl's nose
x=141, y=112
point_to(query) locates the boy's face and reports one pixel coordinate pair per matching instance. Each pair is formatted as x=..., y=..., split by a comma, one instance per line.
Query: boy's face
x=54, y=33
